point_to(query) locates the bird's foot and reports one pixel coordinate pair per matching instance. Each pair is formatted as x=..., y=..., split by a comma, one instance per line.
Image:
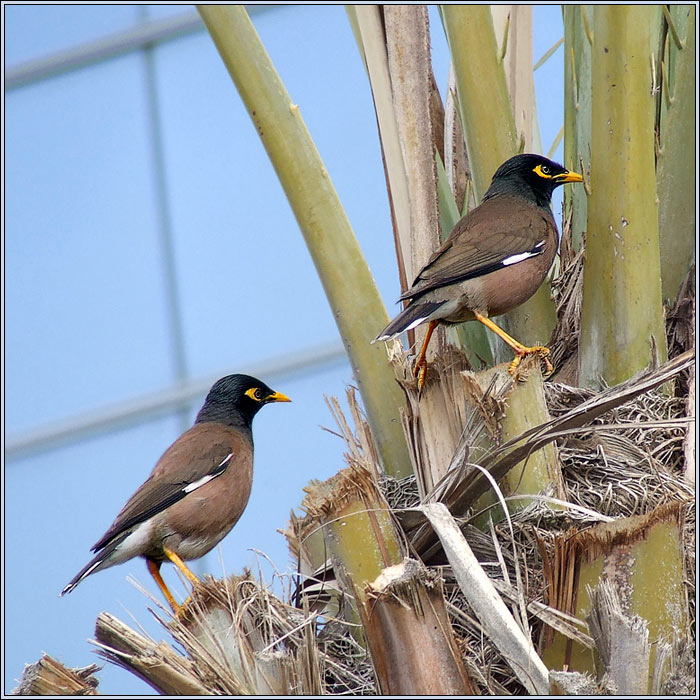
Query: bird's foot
x=540, y=350
x=180, y=610
x=419, y=371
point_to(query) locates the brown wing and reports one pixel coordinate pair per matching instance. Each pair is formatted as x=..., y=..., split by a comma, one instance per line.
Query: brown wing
x=482, y=240
x=205, y=450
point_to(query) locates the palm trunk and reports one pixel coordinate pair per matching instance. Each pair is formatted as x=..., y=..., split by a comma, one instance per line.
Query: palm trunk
x=400, y=606
x=642, y=557
x=677, y=149
x=622, y=325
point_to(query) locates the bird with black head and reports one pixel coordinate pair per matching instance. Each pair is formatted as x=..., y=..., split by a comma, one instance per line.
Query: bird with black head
x=494, y=260
x=196, y=492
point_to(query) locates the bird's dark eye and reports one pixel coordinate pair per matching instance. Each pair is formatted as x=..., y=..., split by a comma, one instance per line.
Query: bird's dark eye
x=544, y=171
x=258, y=394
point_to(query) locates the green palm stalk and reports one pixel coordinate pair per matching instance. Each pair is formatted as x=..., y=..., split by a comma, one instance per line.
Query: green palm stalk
x=577, y=112
x=675, y=167
x=350, y=288
x=622, y=326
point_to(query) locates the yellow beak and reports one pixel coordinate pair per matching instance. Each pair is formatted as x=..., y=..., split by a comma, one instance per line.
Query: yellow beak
x=277, y=397
x=568, y=176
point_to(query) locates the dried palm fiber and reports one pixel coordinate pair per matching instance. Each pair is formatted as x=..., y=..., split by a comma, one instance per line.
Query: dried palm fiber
x=567, y=292
x=239, y=638
x=50, y=677
x=638, y=443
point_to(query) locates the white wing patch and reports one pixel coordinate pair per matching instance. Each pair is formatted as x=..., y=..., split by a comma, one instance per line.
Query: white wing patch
x=208, y=477
x=200, y=482
x=519, y=257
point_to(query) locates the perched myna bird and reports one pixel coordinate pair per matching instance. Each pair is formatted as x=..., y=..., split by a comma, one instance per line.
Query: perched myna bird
x=495, y=258
x=197, y=491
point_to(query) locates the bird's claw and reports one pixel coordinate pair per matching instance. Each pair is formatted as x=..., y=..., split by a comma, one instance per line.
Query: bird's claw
x=181, y=609
x=419, y=371
x=541, y=351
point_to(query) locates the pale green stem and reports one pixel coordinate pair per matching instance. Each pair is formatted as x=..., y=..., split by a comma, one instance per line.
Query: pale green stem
x=348, y=283
x=622, y=325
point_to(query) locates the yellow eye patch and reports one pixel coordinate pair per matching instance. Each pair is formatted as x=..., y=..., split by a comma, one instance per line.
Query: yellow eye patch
x=543, y=171
x=254, y=394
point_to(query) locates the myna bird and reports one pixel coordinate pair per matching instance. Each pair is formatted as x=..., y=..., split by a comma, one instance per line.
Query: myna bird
x=495, y=258
x=197, y=491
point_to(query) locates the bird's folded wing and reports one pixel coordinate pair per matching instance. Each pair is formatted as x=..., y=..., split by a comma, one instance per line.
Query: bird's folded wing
x=489, y=244
x=174, y=477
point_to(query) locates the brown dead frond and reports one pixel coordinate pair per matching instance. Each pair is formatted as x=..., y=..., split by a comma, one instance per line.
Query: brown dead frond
x=50, y=677
x=240, y=639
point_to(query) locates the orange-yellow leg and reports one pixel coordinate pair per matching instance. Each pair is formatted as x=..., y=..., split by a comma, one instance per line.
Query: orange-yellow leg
x=175, y=559
x=421, y=365
x=519, y=349
x=154, y=569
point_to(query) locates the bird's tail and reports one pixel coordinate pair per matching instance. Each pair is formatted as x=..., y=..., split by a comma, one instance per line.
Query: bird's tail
x=412, y=316
x=84, y=572
x=102, y=560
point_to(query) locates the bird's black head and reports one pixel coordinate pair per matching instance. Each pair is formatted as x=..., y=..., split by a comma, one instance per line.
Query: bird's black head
x=235, y=399
x=531, y=176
